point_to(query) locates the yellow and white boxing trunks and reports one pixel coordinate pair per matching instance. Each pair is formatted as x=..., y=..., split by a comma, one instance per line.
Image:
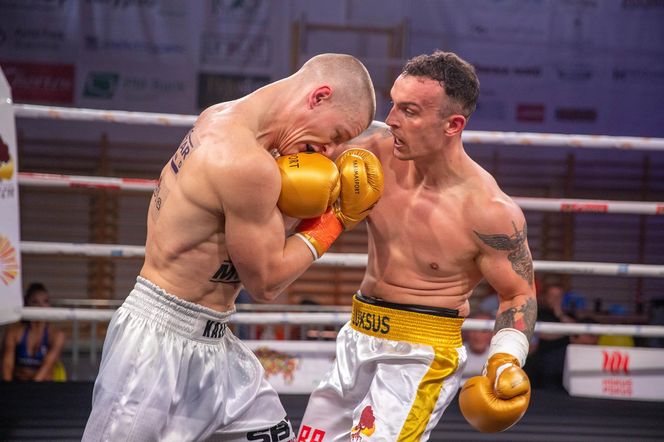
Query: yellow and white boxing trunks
x=397, y=368
x=171, y=370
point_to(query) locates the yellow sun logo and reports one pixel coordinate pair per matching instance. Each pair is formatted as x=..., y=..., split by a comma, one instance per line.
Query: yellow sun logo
x=6, y=162
x=8, y=262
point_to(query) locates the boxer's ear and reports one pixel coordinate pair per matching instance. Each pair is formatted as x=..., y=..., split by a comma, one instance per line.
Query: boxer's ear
x=319, y=96
x=454, y=124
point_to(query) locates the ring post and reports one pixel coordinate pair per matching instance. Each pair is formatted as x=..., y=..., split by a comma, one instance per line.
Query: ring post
x=11, y=302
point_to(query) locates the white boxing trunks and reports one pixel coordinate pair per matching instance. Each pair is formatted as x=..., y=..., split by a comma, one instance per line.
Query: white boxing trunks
x=397, y=368
x=171, y=370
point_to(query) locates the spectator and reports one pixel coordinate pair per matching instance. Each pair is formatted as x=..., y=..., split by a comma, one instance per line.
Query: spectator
x=656, y=312
x=477, y=347
x=584, y=338
x=575, y=304
x=545, y=364
x=32, y=348
x=617, y=340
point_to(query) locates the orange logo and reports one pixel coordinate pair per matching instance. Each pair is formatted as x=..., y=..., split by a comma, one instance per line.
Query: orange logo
x=366, y=426
x=6, y=161
x=275, y=362
x=8, y=262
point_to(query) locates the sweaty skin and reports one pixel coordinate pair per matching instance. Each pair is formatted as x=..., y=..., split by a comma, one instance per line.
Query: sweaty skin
x=443, y=224
x=213, y=220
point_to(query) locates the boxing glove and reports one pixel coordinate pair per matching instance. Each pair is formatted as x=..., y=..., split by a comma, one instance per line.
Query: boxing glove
x=309, y=184
x=361, y=187
x=498, y=399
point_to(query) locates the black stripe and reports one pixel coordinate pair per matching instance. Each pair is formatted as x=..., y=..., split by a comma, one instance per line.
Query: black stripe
x=436, y=311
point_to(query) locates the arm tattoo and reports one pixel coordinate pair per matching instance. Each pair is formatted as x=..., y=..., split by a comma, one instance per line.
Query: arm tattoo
x=519, y=255
x=521, y=318
x=159, y=196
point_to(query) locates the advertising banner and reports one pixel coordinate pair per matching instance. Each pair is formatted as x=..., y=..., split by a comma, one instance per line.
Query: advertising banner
x=615, y=372
x=11, y=301
x=294, y=367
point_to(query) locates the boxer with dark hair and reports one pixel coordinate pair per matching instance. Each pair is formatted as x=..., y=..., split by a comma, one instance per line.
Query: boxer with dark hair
x=442, y=226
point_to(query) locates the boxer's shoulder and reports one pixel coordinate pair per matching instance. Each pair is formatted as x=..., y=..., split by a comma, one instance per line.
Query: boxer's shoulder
x=491, y=210
x=377, y=138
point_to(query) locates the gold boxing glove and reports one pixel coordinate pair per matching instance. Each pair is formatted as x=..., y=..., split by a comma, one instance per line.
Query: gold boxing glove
x=497, y=400
x=361, y=186
x=309, y=184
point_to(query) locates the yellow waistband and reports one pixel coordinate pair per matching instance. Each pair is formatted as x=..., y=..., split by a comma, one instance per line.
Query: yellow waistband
x=402, y=325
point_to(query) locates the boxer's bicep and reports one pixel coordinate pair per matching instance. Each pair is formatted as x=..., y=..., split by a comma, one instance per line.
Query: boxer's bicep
x=255, y=234
x=506, y=264
x=253, y=226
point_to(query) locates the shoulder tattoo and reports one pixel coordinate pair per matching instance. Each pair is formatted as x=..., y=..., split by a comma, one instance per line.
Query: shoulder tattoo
x=515, y=244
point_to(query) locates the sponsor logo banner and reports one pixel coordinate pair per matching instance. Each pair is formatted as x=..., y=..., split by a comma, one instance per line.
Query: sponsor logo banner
x=156, y=90
x=11, y=300
x=45, y=83
x=615, y=372
x=294, y=367
x=530, y=112
x=215, y=88
x=238, y=12
x=134, y=47
x=576, y=114
x=240, y=49
x=40, y=6
x=32, y=39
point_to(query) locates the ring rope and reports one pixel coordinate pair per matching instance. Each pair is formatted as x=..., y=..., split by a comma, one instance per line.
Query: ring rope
x=77, y=181
x=109, y=116
x=526, y=203
x=344, y=259
x=475, y=137
x=340, y=318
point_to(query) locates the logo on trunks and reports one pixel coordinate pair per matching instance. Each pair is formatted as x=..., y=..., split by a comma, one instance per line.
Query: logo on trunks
x=372, y=322
x=226, y=274
x=365, y=427
x=214, y=329
x=308, y=434
x=281, y=431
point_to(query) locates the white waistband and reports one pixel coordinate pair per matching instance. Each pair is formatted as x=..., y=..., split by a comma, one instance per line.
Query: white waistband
x=184, y=318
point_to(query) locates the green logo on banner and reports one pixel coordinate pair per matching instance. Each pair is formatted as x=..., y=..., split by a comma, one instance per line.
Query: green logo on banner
x=101, y=84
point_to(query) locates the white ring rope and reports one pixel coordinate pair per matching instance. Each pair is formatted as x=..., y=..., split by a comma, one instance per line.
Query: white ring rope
x=109, y=116
x=526, y=203
x=475, y=137
x=76, y=181
x=340, y=318
x=345, y=259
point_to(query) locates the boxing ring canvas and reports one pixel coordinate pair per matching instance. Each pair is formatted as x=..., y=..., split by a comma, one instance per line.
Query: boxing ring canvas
x=58, y=411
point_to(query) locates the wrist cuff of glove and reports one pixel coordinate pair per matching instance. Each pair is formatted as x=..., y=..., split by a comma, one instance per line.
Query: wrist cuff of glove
x=319, y=233
x=512, y=342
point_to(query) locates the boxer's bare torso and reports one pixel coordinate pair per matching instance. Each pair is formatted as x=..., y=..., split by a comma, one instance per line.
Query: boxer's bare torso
x=213, y=220
x=424, y=235
x=185, y=249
